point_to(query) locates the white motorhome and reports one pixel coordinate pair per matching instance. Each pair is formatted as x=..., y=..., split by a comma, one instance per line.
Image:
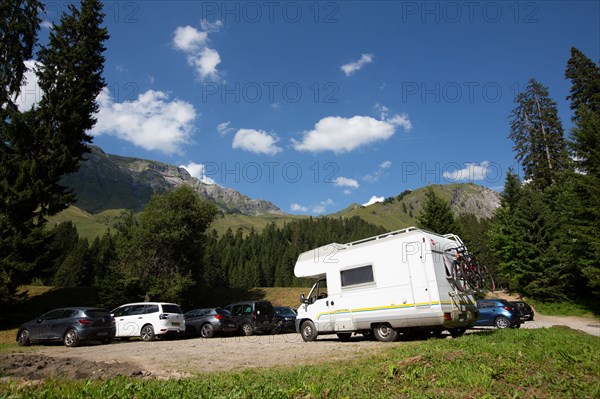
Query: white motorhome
x=391, y=284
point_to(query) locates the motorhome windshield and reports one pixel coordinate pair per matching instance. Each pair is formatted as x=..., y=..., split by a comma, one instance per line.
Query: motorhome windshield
x=319, y=291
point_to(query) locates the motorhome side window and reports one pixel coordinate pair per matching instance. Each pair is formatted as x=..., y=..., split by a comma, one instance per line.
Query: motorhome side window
x=358, y=275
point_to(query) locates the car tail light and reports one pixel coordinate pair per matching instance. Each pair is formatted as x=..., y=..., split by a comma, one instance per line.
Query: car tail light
x=507, y=308
x=253, y=316
x=85, y=322
x=219, y=317
x=448, y=316
x=163, y=316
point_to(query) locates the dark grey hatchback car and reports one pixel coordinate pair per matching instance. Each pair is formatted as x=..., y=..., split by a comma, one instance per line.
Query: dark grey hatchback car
x=253, y=316
x=208, y=322
x=69, y=325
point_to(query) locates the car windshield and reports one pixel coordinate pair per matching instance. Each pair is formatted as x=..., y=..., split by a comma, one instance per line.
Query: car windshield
x=283, y=311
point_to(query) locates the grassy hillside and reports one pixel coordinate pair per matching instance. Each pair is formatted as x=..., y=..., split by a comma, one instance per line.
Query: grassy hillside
x=88, y=225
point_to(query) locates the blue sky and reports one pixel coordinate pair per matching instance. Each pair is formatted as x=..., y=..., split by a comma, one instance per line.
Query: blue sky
x=316, y=105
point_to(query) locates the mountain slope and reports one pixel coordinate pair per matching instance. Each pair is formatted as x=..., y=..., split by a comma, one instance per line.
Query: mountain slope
x=106, y=181
x=396, y=213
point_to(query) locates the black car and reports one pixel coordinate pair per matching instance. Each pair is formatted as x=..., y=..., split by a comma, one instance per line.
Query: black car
x=526, y=310
x=69, y=325
x=208, y=322
x=253, y=316
x=285, y=319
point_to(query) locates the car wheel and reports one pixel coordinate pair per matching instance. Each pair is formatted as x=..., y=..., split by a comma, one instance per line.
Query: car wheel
x=309, y=331
x=457, y=332
x=147, y=333
x=501, y=322
x=207, y=331
x=247, y=329
x=344, y=337
x=23, y=338
x=71, y=339
x=385, y=333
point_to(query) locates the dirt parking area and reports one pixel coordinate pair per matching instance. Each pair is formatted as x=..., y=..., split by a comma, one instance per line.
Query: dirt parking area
x=186, y=357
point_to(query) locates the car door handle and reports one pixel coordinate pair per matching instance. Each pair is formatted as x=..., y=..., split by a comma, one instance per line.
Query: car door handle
x=140, y=317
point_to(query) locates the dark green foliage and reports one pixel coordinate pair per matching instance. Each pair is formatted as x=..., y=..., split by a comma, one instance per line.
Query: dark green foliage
x=436, y=215
x=163, y=250
x=537, y=133
x=19, y=23
x=39, y=146
x=267, y=259
x=585, y=78
x=75, y=270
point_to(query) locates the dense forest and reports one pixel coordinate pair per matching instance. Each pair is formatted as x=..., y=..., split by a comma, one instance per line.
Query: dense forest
x=544, y=240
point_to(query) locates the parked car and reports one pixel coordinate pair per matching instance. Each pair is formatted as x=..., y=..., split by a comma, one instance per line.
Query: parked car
x=148, y=320
x=252, y=316
x=285, y=319
x=525, y=308
x=69, y=325
x=208, y=322
x=498, y=313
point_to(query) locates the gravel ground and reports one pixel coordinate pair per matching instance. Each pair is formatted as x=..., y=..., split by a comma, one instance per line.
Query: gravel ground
x=186, y=357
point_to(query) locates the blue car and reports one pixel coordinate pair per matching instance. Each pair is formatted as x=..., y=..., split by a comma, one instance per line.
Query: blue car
x=498, y=313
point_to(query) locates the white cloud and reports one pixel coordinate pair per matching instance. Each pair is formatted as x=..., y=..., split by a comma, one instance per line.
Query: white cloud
x=471, y=172
x=338, y=134
x=346, y=182
x=256, y=141
x=152, y=121
x=198, y=171
x=298, y=208
x=31, y=93
x=374, y=199
x=206, y=63
x=189, y=39
x=224, y=128
x=396, y=120
x=193, y=42
x=211, y=26
x=314, y=209
x=400, y=120
x=372, y=178
x=46, y=24
x=352, y=67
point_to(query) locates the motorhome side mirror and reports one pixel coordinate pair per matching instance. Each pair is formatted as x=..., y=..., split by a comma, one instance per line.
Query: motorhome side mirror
x=302, y=299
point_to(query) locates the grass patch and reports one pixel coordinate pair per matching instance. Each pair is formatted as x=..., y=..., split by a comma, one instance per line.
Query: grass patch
x=542, y=363
x=565, y=309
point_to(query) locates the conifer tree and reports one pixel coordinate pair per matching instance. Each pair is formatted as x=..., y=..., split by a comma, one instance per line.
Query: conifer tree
x=40, y=145
x=585, y=78
x=537, y=133
x=436, y=215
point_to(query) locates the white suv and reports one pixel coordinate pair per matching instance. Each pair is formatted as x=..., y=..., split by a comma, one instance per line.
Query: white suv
x=148, y=319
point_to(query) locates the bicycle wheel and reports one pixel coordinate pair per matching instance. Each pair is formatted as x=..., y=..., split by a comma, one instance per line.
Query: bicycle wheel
x=469, y=274
x=487, y=280
x=458, y=277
